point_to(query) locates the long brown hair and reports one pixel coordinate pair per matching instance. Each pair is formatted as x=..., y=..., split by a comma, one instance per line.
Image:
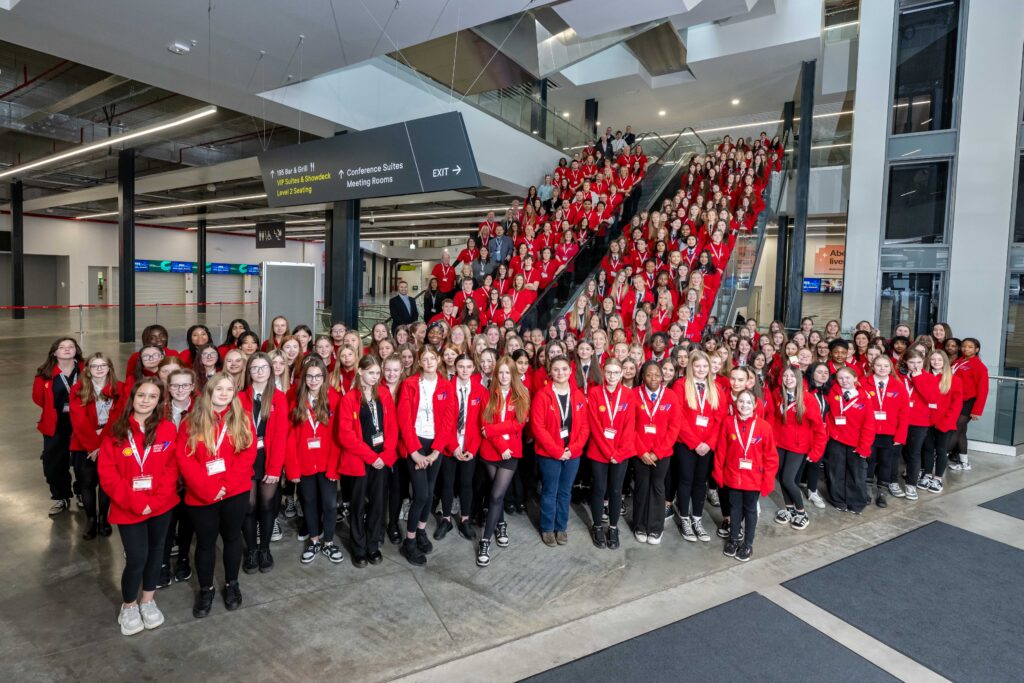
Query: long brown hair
x=518, y=395
x=798, y=394
x=321, y=409
x=46, y=369
x=365, y=363
x=86, y=391
x=268, y=392
x=120, y=429
x=202, y=419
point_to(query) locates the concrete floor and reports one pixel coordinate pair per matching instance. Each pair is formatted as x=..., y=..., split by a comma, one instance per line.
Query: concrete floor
x=533, y=609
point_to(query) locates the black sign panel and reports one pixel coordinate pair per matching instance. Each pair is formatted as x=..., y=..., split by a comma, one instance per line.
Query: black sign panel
x=423, y=155
x=270, y=235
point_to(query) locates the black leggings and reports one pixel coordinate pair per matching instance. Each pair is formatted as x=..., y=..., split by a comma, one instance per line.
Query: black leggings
x=57, y=462
x=936, y=454
x=790, y=466
x=745, y=505
x=181, y=532
x=423, y=482
x=463, y=470
x=319, y=505
x=367, y=519
x=958, y=443
x=224, y=519
x=264, y=502
x=501, y=474
x=94, y=499
x=143, y=548
x=649, y=495
x=398, y=491
x=692, y=475
x=912, y=451
x=606, y=479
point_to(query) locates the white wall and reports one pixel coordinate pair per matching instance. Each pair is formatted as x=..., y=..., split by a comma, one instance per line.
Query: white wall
x=92, y=243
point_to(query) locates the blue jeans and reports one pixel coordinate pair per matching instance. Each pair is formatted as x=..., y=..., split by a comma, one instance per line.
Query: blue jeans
x=557, y=477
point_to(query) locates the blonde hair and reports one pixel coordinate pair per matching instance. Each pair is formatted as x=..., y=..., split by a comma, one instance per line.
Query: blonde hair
x=201, y=421
x=946, y=383
x=710, y=388
x=798, y=393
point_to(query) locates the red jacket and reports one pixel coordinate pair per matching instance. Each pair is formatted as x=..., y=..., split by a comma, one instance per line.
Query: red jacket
x=355, y=454
x=546, y=423
x=946, y=407
x=476, y=399
x=657, y=428
x=806, y=436
x=445, y=277
x=305, y=457
x=854, y=426
x=42, y=396
x=730, y=469
x=891, y=409
x=699, y=425
x=445, y=414
x=86, y=434
x=202, y=485
x=118, y=470
x=275, y=439
x=503, y=432
x=620, y=445
x=974, y=381
x=921, y=391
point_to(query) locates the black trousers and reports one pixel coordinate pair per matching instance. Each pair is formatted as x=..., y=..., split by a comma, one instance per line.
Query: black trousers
x=692, y=474
x=883, y=454
x=847, y=473
x=397, y=491
x=319, y=505
x=958, y=443
x=181, y=532
x=790, y=466
x=745, y=505
x=463, y=471
x=935, y=456
x=367, y=519
x=143, y=548
x=912, y=451
x=423, y=482
x=649, y=496
x=95, y=501
x=56, y=458
x=223, y=519
x=606, y=479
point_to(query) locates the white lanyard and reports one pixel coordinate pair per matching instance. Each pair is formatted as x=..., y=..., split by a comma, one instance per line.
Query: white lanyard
x=843, y=408
x=220, y=440
x=881, y=396
x=750, y=436
x=65, y=381
x=444, y=271
x=608, y=405
x=661, y=316
x=309, y=416
x=568, y=407
x=135, y=451
x=643, y=398
x=909, y=385
x=373, y=416
x=702, y=396
x=786, y=404
x=504, y=406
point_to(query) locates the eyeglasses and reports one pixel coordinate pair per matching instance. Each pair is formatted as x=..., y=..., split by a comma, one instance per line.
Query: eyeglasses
x=315, y=378
x=259, y=368
x=97, y=366
x=209, y=356
x=180, y=387
x=150, y=356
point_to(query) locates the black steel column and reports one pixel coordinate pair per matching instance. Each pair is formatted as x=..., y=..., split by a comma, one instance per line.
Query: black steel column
x=201, y=261
x=328, y=269
x=346, y=263
x=17, y=249
x=590, y=116
x=538, y=122
x=798, y=240
x=781, y=251
x=126, y=248
x=373, y=274
x=787, y=117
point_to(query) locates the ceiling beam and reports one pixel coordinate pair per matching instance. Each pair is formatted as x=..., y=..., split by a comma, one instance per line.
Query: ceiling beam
x=83, y=95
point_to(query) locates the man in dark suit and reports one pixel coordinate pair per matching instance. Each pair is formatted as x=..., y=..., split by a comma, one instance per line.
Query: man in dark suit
x=403, y=307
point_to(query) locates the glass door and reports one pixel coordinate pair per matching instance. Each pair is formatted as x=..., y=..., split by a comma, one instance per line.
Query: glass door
x=912, y=299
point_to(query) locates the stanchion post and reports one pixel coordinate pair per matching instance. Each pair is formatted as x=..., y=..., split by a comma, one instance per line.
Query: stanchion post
x=81, y=327
x=220, y=317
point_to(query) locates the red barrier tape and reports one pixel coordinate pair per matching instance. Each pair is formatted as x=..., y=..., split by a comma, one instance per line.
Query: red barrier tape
x=80, y=306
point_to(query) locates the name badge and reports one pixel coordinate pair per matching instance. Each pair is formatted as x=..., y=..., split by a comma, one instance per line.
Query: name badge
x=66, y=408
x=702, y=420
x=609, y=433
x=746, y=464
x=911, y=404
x=506, y=437
x=840, y=420
x=564, y=433
x=313, y=443
x=650, y=429
x=880, y=415
x=143, y=483
x=215, y=467
x=377, y=439
x=259, y=442
x=933, y=406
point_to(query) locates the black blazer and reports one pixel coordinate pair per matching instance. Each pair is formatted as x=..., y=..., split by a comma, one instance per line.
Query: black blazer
x=400, y=315
x=432, y=304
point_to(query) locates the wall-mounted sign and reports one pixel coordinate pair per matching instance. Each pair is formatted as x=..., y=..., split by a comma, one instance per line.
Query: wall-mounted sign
x=830, y=259
x=422, y=155
x=145, y=266
x=270, y=235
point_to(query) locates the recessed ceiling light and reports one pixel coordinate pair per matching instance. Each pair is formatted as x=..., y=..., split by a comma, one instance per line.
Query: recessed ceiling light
x=180, y=47
x=412, y=245
x=661, y=112
x=735, y=101
x=535, y=132
x=565, y=114
x=597, y=123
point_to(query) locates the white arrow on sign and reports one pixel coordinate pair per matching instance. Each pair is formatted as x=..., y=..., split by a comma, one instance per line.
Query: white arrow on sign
x=457, y=170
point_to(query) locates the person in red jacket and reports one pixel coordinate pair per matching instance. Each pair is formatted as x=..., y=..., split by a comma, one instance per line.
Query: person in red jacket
x=558, y=418
x=367, y=429
x=445, y=274
x=460, y=463
x=746, y=462
x=138, y=470
x=612, y=412
x=890, y=404
x=974, y=382
x=94, y=402
x=426, y=418
x=800, y=436
x=944, y=413
x=216, y=450
x=268, y=407
x=152, y=335
x=922, y=389
x=502, y=421
x=658, y=420
x=313, y=457
x=51, y=391
x=850, y=424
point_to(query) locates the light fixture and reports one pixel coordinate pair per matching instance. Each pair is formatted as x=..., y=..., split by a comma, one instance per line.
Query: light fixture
x=735, y=101
x=412, y=245
x=661, y=112
x=179, y=47
x=597, y=123
x=183, y=205
x=110, y=142
x=440, y=212
x=565, y=114
x=535, y=132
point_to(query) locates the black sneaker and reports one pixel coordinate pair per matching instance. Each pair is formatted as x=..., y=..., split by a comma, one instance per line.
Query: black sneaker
x=465, y=529
x=359, y=562
x=743, y=553
x=375, y=557
x=59, y=507
x=232, y=596
x=443, y=527
x=483, y=554
x=613, y=537
x=309, y=554
x=182, y=571
x=251, y=563
x=411, y=552
x=501, y=535
x=597, y=536
x=203, y=602
x=880, y=500
x=104, y=527
x=725, y=529
x=730, y=549
x=423, y=543
x=165, y=576
x=91, y=530
x=266, y=561
x=510, y=508
x=333, y=553
x=394, y=536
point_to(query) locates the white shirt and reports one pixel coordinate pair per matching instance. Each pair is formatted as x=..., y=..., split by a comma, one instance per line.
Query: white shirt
x=425, y=412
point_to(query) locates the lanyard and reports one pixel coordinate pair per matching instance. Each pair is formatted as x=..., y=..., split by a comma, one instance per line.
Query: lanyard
x=843, y=408
x=786, y=404
x=643, y=399
x=444, y=271
x=220, y=440
x=607, y=403
x=881, y=396
x=309, y=416
x=135, y=451
x=504, y=405
x=373, y=416
x=64, y=379
x=909, y=385
x=568, y=400
x=739, y=437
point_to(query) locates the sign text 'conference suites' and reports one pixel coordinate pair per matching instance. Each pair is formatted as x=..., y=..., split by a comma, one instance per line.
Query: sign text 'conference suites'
x=299, y=180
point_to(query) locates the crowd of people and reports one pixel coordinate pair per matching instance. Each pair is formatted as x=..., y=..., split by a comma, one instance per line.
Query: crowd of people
x=636, y=394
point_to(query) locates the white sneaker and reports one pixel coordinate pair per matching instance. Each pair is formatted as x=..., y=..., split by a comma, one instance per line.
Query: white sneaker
x=654, y=539
x=896, y=491
x=911, y=492
x=152, y=617
x=640, y=536
x=686, y=529
x=276, y=534
x=130, y=621
x=816, y=500
x=698, y=530
x=713, y=498
x=955, y=466
x=783, y=516
x=965, y=464
x=404, y=513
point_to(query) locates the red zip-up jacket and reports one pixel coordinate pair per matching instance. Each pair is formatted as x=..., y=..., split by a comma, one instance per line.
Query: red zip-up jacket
x=355, y=454
x=806, y=436
x=762, y=453
x=476, y=399
x=503, y=432
x=201, y=486
x=657, y=429
x=974, y=382
x=304, y=458
x=86, y=434
x=445, y=414
x=118, y=469
x=859, y=428
x=601, y=404
x=894, y=403
x=275, y=440
x=133, y=360
x=546, y=423
x=945, y=409
x=42, y=396
x=921, y=391
x=691, y=431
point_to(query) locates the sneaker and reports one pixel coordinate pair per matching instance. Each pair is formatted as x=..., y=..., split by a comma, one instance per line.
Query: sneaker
x=302, y=535
x=613, y=538
x=954, y=466
x=501, y=535
x=880, y=500
x=730, y=549
x=743, y=553
x=713, y=498
x=251, y=563
x=404, y=512
x=724, y=530
x=965, y=463
x=668, y=511
x=597, y=536
x=896, y=491
x=686, y=529
x=911, y=492
x=333, y=553
x=165, y=577
x=289, y=508
x=311, y=551
x=604, y=515
x=276, y=534
x=79, y=502
x=483, y=554
x=59, y=507
x=561, y=537
x=640, y=536
x=174, y=550
x=816, y=500
x=411, y=552
x=152, y=617
x=203, y=603
x=922, y=482
x=934, y=485
x=548, y=538
x=698, y=530
x=130, y=620
x=423, y=543
x=232, y=596
x=800, y=521
x=182, y=570
x=266, y=561
x=783, y=516
x=465, y=529
x=443, y=527
x=653, y=539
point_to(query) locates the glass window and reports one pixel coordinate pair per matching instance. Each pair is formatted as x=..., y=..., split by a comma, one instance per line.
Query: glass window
x=916, y=211
x=1013, y=354
x=911, y=299
x=926, y=48
x=1018, y=220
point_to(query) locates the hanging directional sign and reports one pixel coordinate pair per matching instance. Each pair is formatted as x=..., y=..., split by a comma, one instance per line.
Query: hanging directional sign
x=270, y=235
x=422, y=155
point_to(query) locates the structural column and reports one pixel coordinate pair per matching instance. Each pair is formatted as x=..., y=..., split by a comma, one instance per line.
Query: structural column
x=590, y=116
x=781, y=259
x=345, y=263
x=126, y=244
x=538, y=121
x=17, y=250
x=798, y=239
x=201, y=261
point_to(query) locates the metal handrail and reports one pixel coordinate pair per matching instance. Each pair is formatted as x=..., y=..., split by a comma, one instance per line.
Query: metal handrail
x=696, y=135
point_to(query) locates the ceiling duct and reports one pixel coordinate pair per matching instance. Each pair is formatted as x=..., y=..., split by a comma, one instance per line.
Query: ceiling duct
x=659, y=50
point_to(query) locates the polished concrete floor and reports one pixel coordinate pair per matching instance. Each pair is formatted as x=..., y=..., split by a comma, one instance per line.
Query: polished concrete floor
x=533, y=609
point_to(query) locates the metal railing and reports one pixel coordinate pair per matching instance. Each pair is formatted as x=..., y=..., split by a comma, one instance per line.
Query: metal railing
x=1002, y=422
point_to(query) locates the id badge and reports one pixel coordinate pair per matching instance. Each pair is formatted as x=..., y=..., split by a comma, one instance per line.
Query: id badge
x=259, y=442
x=880, y=415
x=215, y=467
x=66, y=408
x=650, y=429
x=142, y=483
x=702, y=420
x=313, y=443
x=911, y=404
x=377, y=439
x=746, y=464
x=840, y=420
x=610, y=434
x=933, y=406
x=564, y=433
x=506, y=437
